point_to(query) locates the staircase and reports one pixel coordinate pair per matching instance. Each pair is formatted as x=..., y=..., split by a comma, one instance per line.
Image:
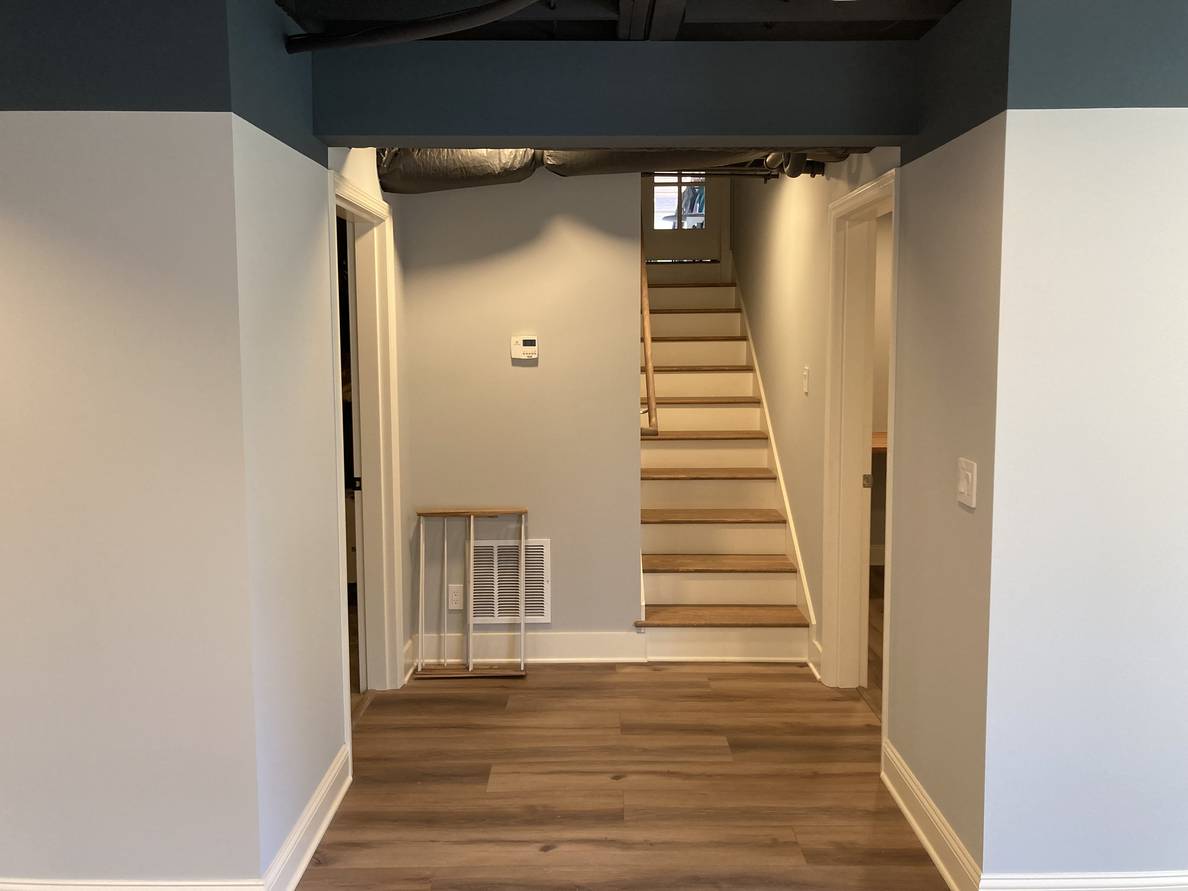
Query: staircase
x=718, y=581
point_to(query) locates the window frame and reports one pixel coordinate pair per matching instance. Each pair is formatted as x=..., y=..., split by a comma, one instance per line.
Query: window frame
x=681, y=180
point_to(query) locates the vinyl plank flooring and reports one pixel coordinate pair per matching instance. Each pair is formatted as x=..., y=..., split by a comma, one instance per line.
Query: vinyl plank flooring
x=672, y=776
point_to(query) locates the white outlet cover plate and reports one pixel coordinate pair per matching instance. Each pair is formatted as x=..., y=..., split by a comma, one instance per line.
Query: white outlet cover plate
x=454, y=597
x=967, y=482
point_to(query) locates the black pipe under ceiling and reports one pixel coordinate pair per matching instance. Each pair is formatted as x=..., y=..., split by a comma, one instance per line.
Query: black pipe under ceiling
x=406, y=32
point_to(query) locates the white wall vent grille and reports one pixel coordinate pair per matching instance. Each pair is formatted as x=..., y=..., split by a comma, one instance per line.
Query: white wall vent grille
x=497, y=581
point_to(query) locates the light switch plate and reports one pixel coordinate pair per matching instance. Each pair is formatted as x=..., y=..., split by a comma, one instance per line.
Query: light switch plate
x=804, y=379
x=454, y=597
x=967, y=482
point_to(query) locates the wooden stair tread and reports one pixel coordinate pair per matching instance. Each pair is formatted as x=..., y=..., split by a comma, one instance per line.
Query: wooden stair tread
x=699, y=369
x=702, y=515
x=699, y=338
x=692, y=285
x=694, y=310
x=723, y=616
x=703, y=435
x=703, y=400
x=717, y=563
x=707, y=473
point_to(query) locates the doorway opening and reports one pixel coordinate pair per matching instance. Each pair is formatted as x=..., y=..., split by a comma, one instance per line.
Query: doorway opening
x=859, y=425
x=348, y=344
x=363, y=332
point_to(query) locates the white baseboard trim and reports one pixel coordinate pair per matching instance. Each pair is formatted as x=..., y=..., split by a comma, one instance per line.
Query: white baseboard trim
x=99, y=885
x=543, y=647
x=282, y=874
x=957, y=866
x=294, y=855
x=1087, y=881
x=410, y=657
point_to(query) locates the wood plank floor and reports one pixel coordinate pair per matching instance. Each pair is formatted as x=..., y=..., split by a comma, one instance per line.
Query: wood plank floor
x=672, y=776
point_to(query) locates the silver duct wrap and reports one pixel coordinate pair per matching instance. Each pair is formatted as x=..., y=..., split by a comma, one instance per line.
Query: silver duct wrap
x=412, y=171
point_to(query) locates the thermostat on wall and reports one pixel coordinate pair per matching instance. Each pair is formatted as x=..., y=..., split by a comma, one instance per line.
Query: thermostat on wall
x=525, y=347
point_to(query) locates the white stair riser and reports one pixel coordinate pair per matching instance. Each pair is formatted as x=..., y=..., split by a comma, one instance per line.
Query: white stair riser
x=727, y=644
x=695, y=323
x=709, y=417
x=701, y=383
x=721, y=587
x=680, y=298
x=698, y=352
x=710, y=493
x=715, y=538
x=725, y=453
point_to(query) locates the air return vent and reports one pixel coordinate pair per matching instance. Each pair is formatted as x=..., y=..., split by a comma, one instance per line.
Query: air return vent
x=497, y=582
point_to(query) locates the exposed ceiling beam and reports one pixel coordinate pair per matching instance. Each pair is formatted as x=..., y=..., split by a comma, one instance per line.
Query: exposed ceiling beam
x=667, y=16
x=711, y=11
x=617, y=93
x=633, y=19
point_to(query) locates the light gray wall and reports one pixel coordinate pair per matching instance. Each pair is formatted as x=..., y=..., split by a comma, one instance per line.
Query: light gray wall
x=171, y=657
x=950, y=225
x=128, y=748
x=558, y=258
x=1087, y=730
x=781, y=260
x=290, y=434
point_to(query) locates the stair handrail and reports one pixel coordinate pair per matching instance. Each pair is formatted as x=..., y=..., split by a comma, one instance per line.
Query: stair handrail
x=645, y=311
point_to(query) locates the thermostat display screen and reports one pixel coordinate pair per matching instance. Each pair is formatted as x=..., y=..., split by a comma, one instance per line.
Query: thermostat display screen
x=525, y=347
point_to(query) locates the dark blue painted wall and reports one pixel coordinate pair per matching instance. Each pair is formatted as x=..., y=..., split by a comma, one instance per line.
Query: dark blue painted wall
x=962, y=73
x=228, y=55
x=1099, y=54
x=269, y=87
x=125, y=55
x=158, y=55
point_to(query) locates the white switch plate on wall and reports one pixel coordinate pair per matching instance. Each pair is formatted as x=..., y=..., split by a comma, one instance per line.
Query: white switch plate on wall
x=967, y=482
x=454, y=597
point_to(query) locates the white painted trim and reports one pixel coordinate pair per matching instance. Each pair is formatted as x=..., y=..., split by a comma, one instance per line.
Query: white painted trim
x=282, y=874
x=339, y=459
x=80, y=885
x=294, y=855
x=545, y=646
x=957, y=866
x=410, y=659
x=802, y=582
x=893, y=322
x=1087, y=881
x=358, y=202
x=844, y=657
x=382, y=524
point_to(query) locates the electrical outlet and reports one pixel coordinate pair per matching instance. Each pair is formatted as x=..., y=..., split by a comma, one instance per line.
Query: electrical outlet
x=454, y=597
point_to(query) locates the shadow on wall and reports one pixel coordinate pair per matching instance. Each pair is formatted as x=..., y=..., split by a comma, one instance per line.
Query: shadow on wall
x=478, y=239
